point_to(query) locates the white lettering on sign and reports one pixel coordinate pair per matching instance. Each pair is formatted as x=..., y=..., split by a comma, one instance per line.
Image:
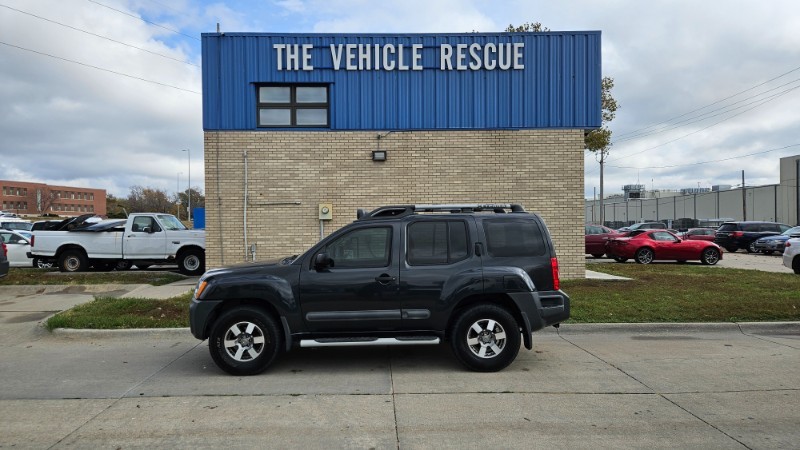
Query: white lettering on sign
x=488, y=57
x=391, y=57
x=295, y=57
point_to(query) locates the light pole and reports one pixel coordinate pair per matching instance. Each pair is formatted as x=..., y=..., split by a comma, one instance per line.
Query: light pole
x=178, y=192
x=189, y=192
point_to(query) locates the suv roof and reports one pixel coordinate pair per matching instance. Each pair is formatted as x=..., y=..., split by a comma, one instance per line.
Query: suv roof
x=405, y=210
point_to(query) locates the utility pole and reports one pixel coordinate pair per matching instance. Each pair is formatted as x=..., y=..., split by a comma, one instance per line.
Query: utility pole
x=744, y=199
x=603, y=153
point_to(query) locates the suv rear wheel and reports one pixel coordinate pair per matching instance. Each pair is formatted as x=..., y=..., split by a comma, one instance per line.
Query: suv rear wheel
x=485, y=338
x=244, y=341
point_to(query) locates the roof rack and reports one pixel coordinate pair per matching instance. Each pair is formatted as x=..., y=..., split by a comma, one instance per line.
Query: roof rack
x=405, y=210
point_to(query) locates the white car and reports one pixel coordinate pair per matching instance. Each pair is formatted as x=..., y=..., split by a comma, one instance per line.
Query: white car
x=18, y=246
x=791, y=255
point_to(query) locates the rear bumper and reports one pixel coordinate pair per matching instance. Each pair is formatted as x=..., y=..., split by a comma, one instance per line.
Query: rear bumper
x=540, y=309
x=4, y=265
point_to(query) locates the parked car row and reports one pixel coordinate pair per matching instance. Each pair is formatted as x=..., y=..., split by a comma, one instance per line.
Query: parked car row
x=649, y=241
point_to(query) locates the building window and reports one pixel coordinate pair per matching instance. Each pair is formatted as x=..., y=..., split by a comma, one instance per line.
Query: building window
x=290, y=106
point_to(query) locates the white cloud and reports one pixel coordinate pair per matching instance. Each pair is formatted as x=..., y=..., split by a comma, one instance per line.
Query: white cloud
x=65, y=123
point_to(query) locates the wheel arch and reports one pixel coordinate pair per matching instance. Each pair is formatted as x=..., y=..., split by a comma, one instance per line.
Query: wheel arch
x=502, y=300
x=189, y=247
x=261, y=304
x=67, y=247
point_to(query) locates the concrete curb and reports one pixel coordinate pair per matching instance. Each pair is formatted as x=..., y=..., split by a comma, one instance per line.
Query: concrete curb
x=130, y=332
x=690, y=327
x=565, y=329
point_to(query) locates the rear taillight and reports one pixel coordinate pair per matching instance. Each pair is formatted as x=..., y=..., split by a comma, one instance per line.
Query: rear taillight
x=554, y=266
x=33, y=239
x=788, y=244
x=737, y=234
x=5, y=249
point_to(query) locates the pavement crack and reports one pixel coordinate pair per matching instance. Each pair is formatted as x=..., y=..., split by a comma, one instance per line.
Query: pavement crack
x=394, y=402
x=124, y=394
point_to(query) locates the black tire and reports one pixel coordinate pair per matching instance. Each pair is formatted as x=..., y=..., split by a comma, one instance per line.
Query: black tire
x=732, y=249
x=710, y=256
x=681, y=261
x=123, y=264
x=192, y=262
x=768, y=252
x=796, y=265
x=495, y=347
x=644, y=256
x=619, y=259
x=597, y=255
x=72, y=261
x=253, y=338
x=751, y=247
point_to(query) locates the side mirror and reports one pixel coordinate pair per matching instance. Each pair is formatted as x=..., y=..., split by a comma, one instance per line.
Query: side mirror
x=147, y=230
x=322, y=261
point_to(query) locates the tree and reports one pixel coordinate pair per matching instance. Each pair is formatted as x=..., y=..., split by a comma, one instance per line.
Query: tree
x=535, y=27
x=143, y=199
x=599, y=141
x=596, y=141
x=198, y=199
x=116, y=208
x=41, y=199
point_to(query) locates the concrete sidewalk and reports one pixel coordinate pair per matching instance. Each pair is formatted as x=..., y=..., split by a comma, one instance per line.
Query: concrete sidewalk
x=163, y=292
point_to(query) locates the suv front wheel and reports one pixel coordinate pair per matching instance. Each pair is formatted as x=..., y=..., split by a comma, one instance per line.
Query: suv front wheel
x=485, y=338
x=244, y=341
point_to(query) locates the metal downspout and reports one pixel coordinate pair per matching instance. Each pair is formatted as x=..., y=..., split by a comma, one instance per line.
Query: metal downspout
x=246, y=244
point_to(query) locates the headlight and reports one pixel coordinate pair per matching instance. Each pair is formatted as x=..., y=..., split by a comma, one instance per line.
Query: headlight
x=198, y=291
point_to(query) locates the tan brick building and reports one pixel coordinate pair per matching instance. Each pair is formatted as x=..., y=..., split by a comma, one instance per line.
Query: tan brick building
x=290, y=173
x=37, y=199
x=291, y=122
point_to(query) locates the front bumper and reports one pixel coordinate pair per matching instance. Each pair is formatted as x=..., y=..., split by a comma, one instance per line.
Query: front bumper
x=199, y=313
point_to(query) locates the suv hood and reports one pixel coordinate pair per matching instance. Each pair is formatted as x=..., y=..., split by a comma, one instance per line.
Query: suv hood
x=246, y=268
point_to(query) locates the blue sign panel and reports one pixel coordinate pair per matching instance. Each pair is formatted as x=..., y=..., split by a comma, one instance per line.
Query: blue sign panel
x=401, y=82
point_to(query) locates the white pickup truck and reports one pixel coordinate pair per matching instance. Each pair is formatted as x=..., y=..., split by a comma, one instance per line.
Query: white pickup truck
x=143, y=239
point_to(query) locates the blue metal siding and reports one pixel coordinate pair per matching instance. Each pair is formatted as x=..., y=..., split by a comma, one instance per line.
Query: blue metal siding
x=558, y=88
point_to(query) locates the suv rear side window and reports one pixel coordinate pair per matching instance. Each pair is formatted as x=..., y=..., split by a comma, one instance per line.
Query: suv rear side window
x=437, y=242
x=727, y=227
x=514, y=238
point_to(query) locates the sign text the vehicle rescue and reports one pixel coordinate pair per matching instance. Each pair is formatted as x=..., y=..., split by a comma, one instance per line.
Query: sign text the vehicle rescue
x=490, y=56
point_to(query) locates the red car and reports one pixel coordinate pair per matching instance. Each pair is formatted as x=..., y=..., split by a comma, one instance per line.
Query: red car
x=700, y=234
x=650, y=245
x=596, y=237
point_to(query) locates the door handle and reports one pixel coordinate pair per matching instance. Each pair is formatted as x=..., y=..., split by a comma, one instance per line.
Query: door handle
x=384, y=278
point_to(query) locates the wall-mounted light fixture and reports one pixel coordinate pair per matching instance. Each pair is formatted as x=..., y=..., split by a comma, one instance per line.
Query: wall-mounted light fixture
x=379, y=155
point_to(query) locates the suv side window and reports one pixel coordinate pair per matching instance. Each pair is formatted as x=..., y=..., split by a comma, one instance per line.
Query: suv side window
x=364, y=247
x=513, y=238
x=441, y=242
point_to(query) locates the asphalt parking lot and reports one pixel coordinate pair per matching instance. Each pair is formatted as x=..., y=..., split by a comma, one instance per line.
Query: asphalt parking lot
x=599, y=386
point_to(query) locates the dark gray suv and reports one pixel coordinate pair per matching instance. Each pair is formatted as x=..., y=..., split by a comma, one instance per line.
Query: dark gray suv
x=482, y=277
x=735, y=235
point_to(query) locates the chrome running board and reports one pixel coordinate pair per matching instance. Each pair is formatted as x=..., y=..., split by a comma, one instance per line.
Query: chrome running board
x=368, y=341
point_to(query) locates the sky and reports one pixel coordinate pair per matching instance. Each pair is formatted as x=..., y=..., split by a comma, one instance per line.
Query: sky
x=107, y=93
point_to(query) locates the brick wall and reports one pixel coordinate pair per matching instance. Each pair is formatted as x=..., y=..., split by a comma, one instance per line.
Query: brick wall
x=291, y=173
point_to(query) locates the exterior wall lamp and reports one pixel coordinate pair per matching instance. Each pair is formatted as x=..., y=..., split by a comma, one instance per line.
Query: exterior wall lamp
x=379, y=155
